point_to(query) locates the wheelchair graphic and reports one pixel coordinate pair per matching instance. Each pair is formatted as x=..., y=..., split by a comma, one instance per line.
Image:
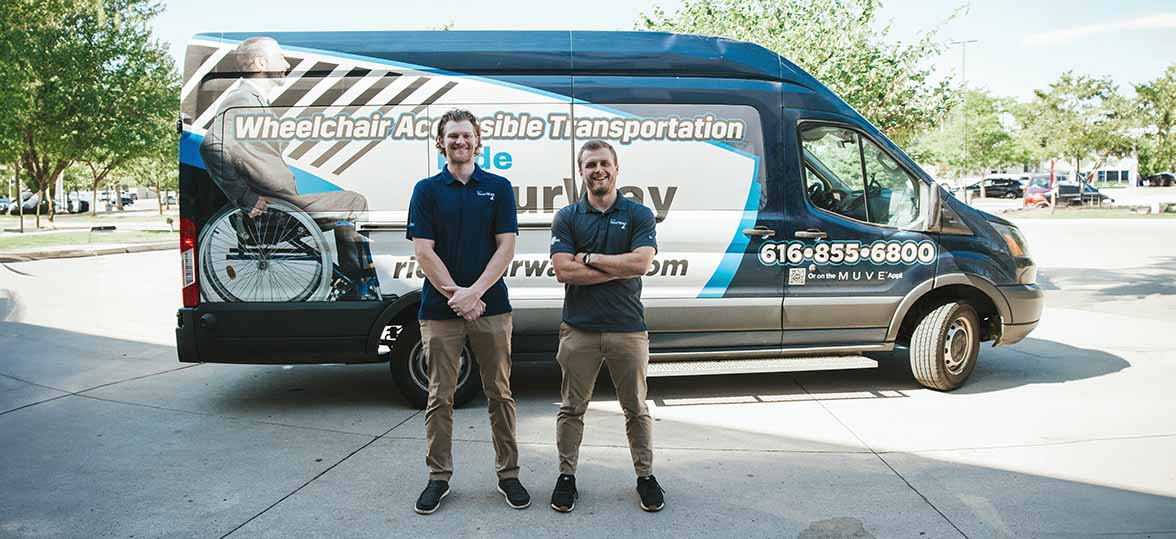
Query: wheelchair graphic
x=280, y=255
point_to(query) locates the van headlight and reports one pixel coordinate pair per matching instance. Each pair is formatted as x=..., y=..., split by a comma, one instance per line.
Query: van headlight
x=1019, y=248
x=1012, y=236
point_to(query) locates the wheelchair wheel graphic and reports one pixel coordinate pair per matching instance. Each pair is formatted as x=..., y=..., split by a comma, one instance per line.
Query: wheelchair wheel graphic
x=281, y=255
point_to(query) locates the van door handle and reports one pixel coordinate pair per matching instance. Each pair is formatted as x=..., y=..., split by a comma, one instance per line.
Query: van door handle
x=761, y=231
x=811, y=234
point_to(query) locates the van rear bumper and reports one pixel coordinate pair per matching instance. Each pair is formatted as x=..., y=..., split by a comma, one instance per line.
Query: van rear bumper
x=1025, y=305
x=278, y=333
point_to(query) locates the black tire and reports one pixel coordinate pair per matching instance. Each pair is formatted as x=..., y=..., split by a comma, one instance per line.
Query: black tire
x=945, y=345
x=410, y=370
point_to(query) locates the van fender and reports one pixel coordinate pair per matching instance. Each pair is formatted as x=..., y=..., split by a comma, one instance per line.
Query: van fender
x=940, y=281
x=393, y=311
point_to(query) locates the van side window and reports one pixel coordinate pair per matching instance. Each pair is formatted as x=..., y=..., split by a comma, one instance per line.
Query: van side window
x=833, y=170
x=848, y=174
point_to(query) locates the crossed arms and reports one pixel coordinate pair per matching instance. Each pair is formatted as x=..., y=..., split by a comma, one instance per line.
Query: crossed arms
x=571, y=269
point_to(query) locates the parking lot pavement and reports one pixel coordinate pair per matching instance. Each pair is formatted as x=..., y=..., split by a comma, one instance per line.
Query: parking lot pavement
x=1068, y=433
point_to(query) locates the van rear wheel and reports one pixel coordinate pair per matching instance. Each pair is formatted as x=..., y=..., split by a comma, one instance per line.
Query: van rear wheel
x=945, y=345
x=410, y=369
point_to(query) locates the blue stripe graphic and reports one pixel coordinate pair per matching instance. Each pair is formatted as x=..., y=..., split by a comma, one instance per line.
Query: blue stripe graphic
x=716, y=287
x=306, y=182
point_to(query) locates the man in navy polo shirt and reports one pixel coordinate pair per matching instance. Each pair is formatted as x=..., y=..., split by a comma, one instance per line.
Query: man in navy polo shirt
x=600, y=248
x=463, y=224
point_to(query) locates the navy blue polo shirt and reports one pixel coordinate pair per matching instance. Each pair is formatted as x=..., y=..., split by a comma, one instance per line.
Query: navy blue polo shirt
x=613, y=306
x=462, y=220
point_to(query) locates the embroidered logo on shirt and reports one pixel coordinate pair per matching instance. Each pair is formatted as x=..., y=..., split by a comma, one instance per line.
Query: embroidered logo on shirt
x=554, y=241
x=616, y=222
x=485, y=194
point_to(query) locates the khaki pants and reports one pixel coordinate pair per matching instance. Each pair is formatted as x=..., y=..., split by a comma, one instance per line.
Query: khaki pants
x=490, y=340
x=580, y=356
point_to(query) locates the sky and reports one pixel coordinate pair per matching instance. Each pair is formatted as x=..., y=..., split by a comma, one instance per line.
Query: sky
x=1021, y=45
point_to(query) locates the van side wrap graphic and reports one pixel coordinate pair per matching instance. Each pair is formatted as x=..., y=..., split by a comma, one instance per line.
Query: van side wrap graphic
x=719, y=147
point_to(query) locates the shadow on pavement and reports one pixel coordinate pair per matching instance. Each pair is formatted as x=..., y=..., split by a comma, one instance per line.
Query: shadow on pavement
x=1033, y=361
x=1156, y=278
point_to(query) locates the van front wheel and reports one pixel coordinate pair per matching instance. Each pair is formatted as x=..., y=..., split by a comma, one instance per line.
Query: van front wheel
x=410, y=369
x=944, y=346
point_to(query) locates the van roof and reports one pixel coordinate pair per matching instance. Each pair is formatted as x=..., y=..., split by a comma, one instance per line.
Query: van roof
x=554, y=52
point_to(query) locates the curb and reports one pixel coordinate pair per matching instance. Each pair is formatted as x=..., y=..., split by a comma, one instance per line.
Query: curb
x=78, y=253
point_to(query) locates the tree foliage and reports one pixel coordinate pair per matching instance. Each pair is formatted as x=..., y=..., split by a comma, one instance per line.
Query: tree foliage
x=82, y=80
x=837, y=41
x=986, y=123
x=1155, y=109
x=1076, y=117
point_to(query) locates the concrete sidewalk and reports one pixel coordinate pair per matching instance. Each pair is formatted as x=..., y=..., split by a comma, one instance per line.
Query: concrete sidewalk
x=1067, y=434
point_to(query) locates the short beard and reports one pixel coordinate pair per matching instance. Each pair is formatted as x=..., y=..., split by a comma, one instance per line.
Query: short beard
x=449, y=158
x=601, y=190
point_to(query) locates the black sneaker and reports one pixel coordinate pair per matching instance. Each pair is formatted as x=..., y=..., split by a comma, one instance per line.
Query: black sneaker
x=430, y=498
x=563, y=498
x=516, y=495
x=650, y=493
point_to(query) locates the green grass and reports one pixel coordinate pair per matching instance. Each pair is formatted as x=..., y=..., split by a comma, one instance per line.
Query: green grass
x=52, y=239
x=1085, y=213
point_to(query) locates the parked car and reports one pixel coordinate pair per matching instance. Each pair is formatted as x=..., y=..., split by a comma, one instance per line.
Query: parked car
x=998, y=188
x=1163, y=179
x=30, y=205
x=1068, y=195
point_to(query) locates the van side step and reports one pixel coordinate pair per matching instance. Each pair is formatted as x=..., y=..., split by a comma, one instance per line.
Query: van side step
x=743, y=366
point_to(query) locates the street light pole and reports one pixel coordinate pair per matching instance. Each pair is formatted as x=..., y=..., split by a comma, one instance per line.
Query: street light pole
x=964, y=84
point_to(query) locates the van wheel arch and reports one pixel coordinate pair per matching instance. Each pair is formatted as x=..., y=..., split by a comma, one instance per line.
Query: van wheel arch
x=986, y=310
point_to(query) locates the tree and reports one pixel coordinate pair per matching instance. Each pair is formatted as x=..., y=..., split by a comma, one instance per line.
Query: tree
x=1155, y=108
x=991, y=140
x=41, y=128
x=1077, y=117
x=139, y=90
x=839, y=43
x=159, y=172
x=69, y=72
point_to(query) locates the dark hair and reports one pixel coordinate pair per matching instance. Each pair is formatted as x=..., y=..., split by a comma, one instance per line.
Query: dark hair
x=594, y=145
x=458, y=115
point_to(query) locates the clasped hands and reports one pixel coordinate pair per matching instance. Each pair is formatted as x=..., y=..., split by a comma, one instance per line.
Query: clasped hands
x=465, y=302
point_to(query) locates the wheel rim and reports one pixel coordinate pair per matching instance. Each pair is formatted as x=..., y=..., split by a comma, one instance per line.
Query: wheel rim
x=286, y=261
x=957, y=345
x=418, y=367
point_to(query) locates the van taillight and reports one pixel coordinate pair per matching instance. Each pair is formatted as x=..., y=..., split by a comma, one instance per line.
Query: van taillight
x=188, y=262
